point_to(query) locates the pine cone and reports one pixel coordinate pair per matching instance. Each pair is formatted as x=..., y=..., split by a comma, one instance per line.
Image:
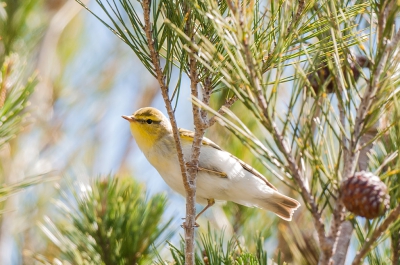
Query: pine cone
x=365, y=195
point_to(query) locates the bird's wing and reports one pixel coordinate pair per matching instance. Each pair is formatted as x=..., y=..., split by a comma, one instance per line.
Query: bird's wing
x=254, y=172
x=189, y=136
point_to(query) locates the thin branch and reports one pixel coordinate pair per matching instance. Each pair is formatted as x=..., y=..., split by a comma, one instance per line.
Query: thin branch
x=392, y=217
x=228, y=103
x=164, y=90
x=396, y=247
x=299, y=179
x=297, y=17
x=362, y=112
x=199, y=119
x=344, y=139
x=346, y=231
x=192, y=167
x=340, y=239
x=282, y=145
x=368, y=98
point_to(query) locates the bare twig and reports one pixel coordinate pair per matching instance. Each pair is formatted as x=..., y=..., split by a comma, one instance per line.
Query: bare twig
x=297, y=17
x=199, y=124
x=228, y=104
x=187, y=179
x=192, y=167
x=363, y=159
x=396, y=247
x=336, y=235
x=346, y=230
x=343, y=139
x=164, y=89
x=392, y=217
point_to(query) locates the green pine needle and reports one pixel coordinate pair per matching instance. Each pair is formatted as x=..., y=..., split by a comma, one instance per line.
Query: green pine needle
x=112, y=221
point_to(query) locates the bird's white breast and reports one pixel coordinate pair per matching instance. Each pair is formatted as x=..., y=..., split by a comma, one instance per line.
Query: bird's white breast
x=239, y=185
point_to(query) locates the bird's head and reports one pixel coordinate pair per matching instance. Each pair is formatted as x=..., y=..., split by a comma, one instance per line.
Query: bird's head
x=148, y=125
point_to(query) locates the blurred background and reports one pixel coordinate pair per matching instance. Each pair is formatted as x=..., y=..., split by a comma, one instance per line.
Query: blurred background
x=71, y=130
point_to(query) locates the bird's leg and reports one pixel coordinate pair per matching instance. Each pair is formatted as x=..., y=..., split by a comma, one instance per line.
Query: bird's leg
x=210, y=202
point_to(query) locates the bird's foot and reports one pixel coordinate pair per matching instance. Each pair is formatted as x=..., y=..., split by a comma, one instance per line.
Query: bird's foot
x=184, y=224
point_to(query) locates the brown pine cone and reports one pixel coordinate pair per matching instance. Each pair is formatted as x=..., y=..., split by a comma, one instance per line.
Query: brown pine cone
x=365, y=195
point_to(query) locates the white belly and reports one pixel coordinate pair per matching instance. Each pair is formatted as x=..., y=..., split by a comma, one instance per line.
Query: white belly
x=239, y=186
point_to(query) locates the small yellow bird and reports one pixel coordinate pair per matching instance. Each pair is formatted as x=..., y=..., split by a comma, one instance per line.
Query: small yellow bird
x=221, y=176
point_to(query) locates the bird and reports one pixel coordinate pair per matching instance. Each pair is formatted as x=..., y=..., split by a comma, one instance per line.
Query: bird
x=221, y=176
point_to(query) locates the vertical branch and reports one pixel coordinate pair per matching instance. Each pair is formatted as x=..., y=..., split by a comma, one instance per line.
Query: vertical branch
x=189, y=170
x=188, y=176
x=164, y=89
x=343, y=243
x=192, y=166
x=299, y=180
x=396, y=247
x=355, y=142
x=282, y=145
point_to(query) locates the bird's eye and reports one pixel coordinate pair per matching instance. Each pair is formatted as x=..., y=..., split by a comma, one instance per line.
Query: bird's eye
x=149, y=121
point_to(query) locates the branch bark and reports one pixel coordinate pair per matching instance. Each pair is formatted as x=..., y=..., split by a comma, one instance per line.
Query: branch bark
x=192, y=166
x=164, y=90
x=396, y=247
x=190, y=186
x=346, y=230
x=228, y=104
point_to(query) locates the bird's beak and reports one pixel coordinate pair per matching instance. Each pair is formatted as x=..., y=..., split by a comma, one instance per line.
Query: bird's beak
x=128, y=118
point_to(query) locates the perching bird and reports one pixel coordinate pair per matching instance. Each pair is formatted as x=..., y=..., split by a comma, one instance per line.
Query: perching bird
x=221, y=176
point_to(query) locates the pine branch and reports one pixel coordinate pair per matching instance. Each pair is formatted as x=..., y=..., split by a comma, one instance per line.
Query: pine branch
x=188, y=173
x=299, y=179
x=362, y=111
x=236, y=44
x=280, y=141
x=192, y=166
x=7, y=190
x=297, y=17
x=189, y=170
x=392, y=217
x=346, y=231
x=395, y=247
x=112, y=221
x=15, y=95
x=164, y=91
x=228, y=103
x=216, y=250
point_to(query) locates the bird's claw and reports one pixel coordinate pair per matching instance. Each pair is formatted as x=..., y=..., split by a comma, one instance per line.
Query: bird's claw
x=196, y=225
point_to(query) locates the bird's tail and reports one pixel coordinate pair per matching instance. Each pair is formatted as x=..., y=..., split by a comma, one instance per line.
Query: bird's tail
x=283, y=206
